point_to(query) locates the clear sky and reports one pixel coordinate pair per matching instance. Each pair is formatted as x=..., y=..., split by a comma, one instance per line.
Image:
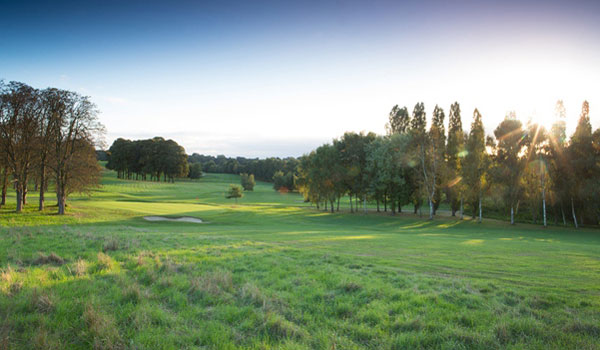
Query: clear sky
x=278, y=78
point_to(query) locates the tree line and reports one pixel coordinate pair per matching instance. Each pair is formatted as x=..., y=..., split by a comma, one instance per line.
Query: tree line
x=282, y=172
x=521, y=168
x=150, y=159
x=47, y=139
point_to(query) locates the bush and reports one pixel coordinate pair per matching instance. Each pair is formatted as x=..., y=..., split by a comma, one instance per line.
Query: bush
x=195, y=171
x=234, y=192
x=247, y=181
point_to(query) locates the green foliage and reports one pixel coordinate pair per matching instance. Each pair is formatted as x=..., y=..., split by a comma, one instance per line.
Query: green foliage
x=399, y=121
x=388, y=166
x=475, y=163
x=195, y=171
x=509, y=165
x=454, y=151
x=437, y=155
x=155, y=157
x=262, y=169
x=235, y=191
x=247, y=181
x=584, y=161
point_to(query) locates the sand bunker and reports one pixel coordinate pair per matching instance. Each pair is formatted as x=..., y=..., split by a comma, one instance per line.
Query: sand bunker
x=180, y=219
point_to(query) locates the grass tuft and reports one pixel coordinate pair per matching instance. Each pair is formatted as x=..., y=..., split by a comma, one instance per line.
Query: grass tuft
x=415, y=325
x=215, y=283
x=102, y=328
x=132, y=294
x=42, y=303
x=351, y=287
x=104, y=262
x=80, y=268
x=583, y=327
x=53, y=258
x=278, y=327
x=110, y=245
x=252, y=295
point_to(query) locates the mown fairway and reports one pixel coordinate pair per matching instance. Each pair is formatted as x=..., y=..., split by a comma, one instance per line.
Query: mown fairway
x=272, y=273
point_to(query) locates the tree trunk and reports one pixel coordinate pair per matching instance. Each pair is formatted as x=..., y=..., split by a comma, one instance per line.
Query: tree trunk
x=479, y=208
x=378, y=206
x=25, y=193
x=512, y=215
x=332, y=205
x=351, y=210
x=62, y=203
x=544, y=206
x=42, y=185
x=19, y=199
x=4, y=186
x=365, y=202
x=338, y=204
x=430, y=209
x=573, y=212
x=399, y=207
x=562, y=211
x=385, y=203
x=462, y=212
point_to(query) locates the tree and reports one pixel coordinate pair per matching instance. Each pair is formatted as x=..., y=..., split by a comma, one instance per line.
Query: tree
x=351, y=148
x=558, y=164
x=235, y=191
x=399, y=121
x=19, y=112
x=454, y=155
x=52, y=104
x=155, y=156
x=509, y=164
x=388, y=169
x=425, y=151
x=536, y=169
x=76, y=129
x=195, y=171
x=475, y=164
x=585, y=168
x=247, y=181
x=437, y=155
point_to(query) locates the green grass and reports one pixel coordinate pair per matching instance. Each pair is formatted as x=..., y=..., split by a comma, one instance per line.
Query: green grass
x=273, y=273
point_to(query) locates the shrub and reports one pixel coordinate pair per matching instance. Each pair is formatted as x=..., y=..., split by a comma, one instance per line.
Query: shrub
x=247, y=181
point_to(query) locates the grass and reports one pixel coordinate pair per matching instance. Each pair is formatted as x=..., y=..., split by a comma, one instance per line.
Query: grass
x=273, y=273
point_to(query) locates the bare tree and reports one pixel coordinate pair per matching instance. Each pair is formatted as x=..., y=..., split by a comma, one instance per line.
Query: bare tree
x=75, y=130
x=18, y=129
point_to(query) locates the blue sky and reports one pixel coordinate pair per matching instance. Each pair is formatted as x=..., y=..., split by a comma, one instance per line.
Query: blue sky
x=278, y=78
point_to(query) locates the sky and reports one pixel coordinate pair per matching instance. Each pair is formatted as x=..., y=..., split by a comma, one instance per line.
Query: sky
x=279, y=78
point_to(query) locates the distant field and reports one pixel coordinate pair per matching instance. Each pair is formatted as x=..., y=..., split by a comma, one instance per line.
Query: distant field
x=273, y=273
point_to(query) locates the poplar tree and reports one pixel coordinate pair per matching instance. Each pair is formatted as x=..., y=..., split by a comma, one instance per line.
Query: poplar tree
x=399, y=121
x=437, y=146
x=509, y=164
x=475, y=164
x=421, y=149
x=583, y=162
x=454, y=152
x=559, y=169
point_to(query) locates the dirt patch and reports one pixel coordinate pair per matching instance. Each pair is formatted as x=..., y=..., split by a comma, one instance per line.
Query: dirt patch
x=180, y=219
